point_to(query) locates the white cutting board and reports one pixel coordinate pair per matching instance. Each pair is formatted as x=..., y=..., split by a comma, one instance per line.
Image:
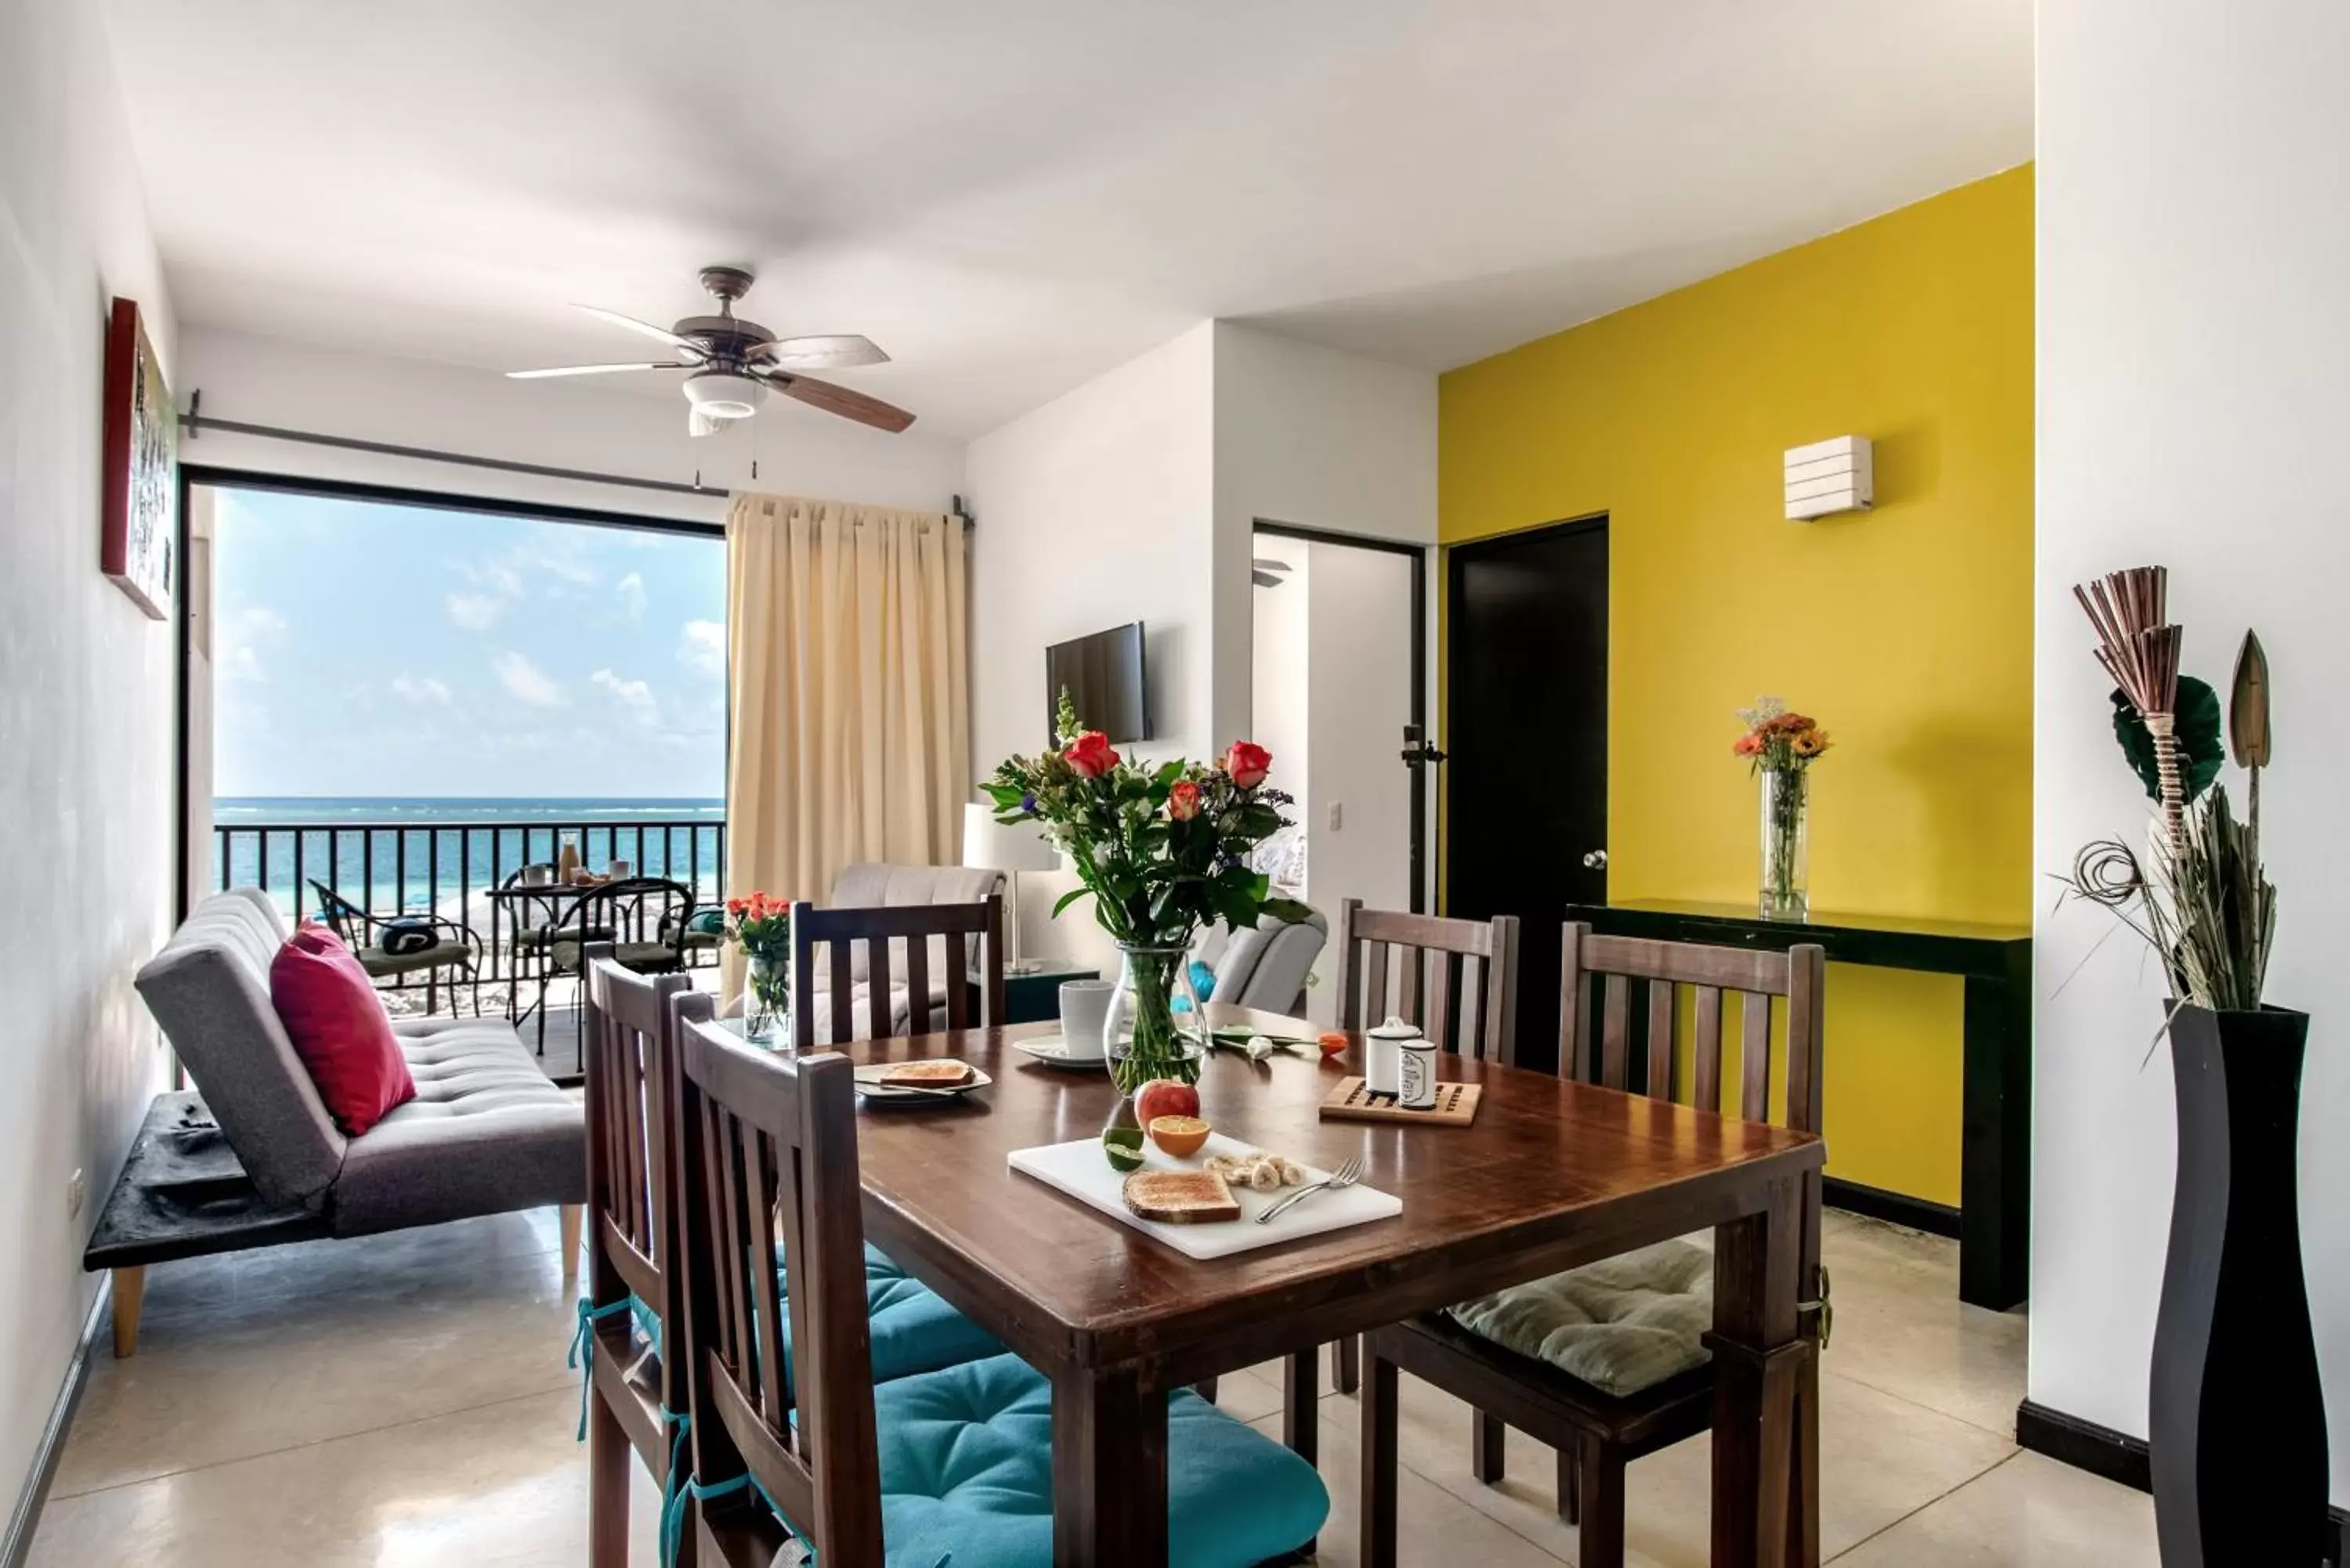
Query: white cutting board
x=1078, y=1169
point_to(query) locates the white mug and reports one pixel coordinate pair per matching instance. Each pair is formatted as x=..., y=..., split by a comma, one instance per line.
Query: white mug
x=538, y=874
x=1085, y=1008
x=620, y=870
x=1383, y=1056
x=1415, y=1082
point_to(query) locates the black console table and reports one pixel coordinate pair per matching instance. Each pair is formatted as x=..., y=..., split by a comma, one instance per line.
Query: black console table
x=1995, y=1158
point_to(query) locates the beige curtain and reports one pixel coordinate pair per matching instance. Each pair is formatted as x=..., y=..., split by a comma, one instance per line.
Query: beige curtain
x=851, y=705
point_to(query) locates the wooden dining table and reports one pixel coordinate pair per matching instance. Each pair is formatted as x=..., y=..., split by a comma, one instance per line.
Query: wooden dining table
x=1551, y=1174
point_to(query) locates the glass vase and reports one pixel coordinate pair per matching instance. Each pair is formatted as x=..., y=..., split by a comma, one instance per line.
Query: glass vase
x=1786, y=844
x=1143, y=1039
x=766, y=997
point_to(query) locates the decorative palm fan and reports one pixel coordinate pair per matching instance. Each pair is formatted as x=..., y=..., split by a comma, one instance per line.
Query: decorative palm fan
x=733, y=362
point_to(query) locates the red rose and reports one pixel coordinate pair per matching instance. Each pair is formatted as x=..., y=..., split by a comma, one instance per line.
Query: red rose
x=1183, y=800
x=1248, y=762
x=1090, y=755
x=734, y=906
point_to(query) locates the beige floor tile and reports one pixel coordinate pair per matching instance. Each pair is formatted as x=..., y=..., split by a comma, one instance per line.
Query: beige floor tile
x=2030, y=1512
x=1880, y=1457
x=1900, y=1327
x=499, y=1486
x=252, y=1374
x=1433, y=1526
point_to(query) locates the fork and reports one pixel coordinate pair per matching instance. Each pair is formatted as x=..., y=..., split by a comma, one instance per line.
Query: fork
x=1345, y=1175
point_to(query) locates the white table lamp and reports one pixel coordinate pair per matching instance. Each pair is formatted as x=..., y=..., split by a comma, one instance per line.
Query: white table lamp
x=990, y=846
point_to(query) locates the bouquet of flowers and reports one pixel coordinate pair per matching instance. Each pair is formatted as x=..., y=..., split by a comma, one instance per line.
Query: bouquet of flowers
x=1781, y=747
x=762, y=928
x=1161, y=851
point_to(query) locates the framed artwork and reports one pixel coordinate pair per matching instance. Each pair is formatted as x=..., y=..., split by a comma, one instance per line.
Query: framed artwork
x=139, y=529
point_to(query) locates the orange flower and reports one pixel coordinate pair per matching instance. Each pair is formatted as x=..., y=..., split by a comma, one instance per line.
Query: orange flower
x=1809, y=743
x=1749, y=744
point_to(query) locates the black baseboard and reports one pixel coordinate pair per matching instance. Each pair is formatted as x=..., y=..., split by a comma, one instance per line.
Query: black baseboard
x=2116, y=1456
x=1894, y=1207
x=17, y=1545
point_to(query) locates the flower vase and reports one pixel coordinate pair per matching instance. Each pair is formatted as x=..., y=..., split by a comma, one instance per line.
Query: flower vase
x=2236, y=1413
x=1143, y=1040
x=766, y=997
x=1786, y=844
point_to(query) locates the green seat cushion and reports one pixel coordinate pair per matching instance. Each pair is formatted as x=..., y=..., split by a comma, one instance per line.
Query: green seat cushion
x=449, y=955
x=1621, y=1325
x=967, y=1469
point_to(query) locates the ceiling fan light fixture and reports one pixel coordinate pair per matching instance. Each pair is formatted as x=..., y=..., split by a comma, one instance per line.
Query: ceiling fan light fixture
x=725, y=394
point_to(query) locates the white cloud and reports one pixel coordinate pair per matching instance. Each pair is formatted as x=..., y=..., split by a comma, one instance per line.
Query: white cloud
x=243, y=637
x=634, y=695
x=631, y=590
x=476, y=612
x=527, y=681
x=701, y=648
x=409, y=688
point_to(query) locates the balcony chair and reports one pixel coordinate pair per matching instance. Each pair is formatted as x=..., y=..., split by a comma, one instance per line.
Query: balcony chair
x=376, y=941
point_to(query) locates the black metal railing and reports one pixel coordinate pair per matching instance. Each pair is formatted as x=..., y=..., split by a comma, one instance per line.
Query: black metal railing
x=449, y=869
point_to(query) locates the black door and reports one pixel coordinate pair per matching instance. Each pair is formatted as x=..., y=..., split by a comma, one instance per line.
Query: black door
x=1526, y=705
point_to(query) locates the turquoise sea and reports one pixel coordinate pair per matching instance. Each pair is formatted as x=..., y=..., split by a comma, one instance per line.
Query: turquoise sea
x=415, y=854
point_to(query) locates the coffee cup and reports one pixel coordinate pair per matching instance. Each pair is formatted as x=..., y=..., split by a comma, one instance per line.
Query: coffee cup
x=1416, y=1075
x=1085, y=1008
x=620, y=870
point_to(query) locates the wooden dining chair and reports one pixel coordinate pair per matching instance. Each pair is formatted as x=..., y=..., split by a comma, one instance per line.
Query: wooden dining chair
x=1454, y=980
x=927, y=940
x=636, y=1390
x=793, y=1436
x=1619, y=981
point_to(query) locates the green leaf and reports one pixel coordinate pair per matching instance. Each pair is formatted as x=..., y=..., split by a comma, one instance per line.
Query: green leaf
x=1288, y=909
x=2197, y=726
x=1067, y=898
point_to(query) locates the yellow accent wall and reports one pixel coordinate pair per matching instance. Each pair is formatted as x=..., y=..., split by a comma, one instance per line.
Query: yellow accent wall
x=1906, y=630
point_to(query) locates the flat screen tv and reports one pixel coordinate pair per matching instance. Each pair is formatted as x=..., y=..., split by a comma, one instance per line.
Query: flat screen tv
x=1102, y=675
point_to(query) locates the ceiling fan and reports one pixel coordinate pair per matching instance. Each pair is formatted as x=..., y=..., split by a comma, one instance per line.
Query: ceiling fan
x=734, y=362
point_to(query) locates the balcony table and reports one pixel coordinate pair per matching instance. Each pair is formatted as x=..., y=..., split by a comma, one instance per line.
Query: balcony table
x=1551, y=1174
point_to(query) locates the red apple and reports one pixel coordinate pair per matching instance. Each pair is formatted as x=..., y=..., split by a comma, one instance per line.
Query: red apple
x=1165, y=1098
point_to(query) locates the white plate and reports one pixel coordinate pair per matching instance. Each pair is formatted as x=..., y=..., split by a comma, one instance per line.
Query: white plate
x=1054, y=1051
x=1078, y=1169
x=867, y=1083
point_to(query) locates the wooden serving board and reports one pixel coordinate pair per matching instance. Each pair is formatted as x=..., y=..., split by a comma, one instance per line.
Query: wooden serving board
x=1456, y=1106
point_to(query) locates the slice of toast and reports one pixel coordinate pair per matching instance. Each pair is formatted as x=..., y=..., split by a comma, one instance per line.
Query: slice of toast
x=1181, y=1197
x=943, y=1073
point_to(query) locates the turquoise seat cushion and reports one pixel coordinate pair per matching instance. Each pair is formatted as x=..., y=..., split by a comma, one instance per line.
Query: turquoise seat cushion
x=967, y=1469
x=1621, y=1325
x=912, y=1328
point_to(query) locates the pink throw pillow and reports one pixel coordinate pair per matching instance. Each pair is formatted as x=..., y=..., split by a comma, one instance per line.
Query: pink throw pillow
x=338, y=1029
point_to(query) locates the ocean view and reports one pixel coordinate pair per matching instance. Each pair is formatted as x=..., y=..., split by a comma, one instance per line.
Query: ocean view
x=412, y=853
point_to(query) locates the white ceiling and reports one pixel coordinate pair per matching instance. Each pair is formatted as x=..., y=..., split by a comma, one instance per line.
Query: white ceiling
x=1014, y=196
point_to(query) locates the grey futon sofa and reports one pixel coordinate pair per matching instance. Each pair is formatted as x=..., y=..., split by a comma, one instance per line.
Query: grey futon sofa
x=252, y=1157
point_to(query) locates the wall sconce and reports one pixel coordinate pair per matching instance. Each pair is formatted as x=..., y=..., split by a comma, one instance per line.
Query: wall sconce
x=1827, y=476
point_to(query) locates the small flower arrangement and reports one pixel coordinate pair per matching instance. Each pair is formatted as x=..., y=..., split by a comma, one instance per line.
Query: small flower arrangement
x=761, y=926
x=1781, y=747
x=1776, y=740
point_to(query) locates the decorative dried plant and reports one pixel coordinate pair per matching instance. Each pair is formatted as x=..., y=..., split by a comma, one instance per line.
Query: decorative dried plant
x=2200, y=899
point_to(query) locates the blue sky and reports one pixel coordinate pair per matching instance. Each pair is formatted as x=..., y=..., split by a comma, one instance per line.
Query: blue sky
x=363, y=649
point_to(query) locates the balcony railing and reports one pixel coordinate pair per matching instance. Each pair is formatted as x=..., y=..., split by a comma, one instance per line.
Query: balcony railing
x=448, y=867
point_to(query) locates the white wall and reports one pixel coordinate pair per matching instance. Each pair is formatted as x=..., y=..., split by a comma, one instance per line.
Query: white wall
x=411, y=402
x=1281, y=662
x=86, y=704
x=2193, y=335
x=1093, y=511
x=1136, y=496
x=1317, y=439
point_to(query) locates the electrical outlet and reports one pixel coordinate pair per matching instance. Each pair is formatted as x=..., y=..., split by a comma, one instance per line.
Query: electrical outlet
x=77, y=1189
x=1337, y=815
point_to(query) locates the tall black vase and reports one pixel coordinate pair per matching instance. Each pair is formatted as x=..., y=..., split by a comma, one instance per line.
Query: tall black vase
x=2237, y=1418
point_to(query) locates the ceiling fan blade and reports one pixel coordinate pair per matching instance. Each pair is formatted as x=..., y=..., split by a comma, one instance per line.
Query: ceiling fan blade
x=633, y=325
x=839, y=400
x=823, y=351
x=595, y=369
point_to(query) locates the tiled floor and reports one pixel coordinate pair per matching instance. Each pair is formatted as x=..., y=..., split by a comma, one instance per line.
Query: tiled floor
x=402, y=1402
